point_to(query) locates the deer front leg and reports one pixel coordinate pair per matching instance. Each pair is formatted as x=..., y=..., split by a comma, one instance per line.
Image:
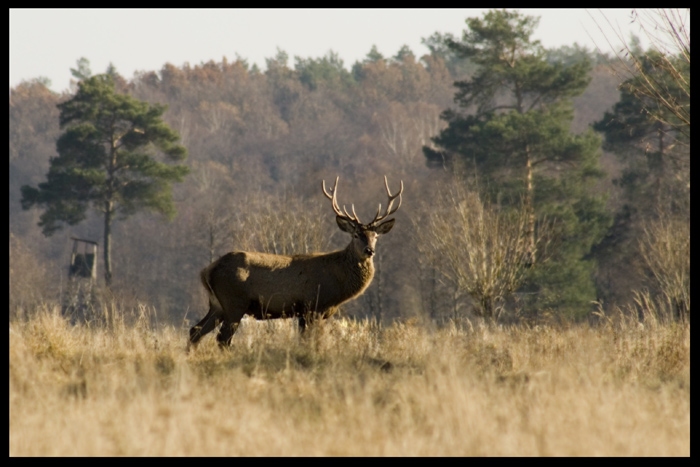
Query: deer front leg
x=309, y=318
x=233, y=310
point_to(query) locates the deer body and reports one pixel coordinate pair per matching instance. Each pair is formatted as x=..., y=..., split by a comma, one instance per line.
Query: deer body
x=269, y=286
x=277, y=285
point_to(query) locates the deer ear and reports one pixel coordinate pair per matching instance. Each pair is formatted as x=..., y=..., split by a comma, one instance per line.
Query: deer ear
x=345, y=225
x=384, y=227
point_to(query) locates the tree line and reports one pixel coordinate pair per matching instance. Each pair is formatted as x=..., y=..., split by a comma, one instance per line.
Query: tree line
x=530, y=160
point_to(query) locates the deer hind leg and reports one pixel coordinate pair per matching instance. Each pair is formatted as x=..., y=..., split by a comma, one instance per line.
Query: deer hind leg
x=206, y=325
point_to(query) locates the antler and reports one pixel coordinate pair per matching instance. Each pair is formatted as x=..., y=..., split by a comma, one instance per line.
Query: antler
x=389, y=211
x=334, y=200
x=377, y=218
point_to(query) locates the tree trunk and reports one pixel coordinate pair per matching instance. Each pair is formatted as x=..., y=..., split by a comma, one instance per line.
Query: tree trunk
x=107, y=243
x=109, y=204
x=433, y=293
x=378, y=278
x=530, y=208
x=658, y=166
x=211, y=240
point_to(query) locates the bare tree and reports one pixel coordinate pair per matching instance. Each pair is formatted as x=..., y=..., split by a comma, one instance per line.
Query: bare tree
x=279, y=227
x=485, y=251
x=405, y=128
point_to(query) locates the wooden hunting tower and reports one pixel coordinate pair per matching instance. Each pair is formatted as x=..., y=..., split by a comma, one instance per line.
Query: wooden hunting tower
x=83, y=264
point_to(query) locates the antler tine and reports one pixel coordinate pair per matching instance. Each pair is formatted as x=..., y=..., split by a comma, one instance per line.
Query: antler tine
x=379, y=210
x=389, y=211
x=392, y=198
x=333, y=197
x=354, y=216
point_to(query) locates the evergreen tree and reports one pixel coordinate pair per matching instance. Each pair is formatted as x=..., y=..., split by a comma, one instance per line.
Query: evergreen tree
x=83, y=69
x=326, y=71
x=108, y=160
x=513, y=131
x=403, y=53
x=438, y=46
x=655, y=152
x=373, y=55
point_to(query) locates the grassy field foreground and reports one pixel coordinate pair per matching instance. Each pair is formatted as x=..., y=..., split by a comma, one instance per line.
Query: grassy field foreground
x=348, y=388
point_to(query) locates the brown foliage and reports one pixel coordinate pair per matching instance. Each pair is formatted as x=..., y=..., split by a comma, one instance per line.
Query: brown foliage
x=30, y=281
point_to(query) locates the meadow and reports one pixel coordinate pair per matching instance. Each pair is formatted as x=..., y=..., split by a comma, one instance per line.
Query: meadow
x=129, y=387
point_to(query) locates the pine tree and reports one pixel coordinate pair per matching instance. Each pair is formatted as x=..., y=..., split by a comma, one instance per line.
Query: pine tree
x=108, y=160
x=512, y=131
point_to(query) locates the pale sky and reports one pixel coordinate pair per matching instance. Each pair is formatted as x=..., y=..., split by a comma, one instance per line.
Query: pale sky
x=49, y=42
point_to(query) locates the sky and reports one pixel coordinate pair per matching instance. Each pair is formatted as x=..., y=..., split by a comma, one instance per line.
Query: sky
x=48, y=42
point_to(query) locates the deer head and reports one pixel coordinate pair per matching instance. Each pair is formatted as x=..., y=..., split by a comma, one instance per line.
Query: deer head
x=364, y=236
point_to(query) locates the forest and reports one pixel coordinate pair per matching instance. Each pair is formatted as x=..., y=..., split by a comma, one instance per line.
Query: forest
x=543, y=165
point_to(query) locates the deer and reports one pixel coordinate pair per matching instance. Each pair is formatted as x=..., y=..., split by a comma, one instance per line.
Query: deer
x=306, y=286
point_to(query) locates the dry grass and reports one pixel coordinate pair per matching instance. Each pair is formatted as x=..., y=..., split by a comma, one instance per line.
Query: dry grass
x=348, y=389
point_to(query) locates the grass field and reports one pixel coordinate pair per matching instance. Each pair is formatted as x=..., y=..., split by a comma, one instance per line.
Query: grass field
x=348, y=389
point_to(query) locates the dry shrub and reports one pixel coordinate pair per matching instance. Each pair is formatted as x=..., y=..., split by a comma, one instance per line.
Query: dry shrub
x=665, y=248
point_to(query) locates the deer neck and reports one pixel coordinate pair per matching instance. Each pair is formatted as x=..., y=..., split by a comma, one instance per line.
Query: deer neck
x=361, y=269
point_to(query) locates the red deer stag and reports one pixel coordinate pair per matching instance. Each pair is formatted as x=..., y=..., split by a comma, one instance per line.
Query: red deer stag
x=269, y=286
